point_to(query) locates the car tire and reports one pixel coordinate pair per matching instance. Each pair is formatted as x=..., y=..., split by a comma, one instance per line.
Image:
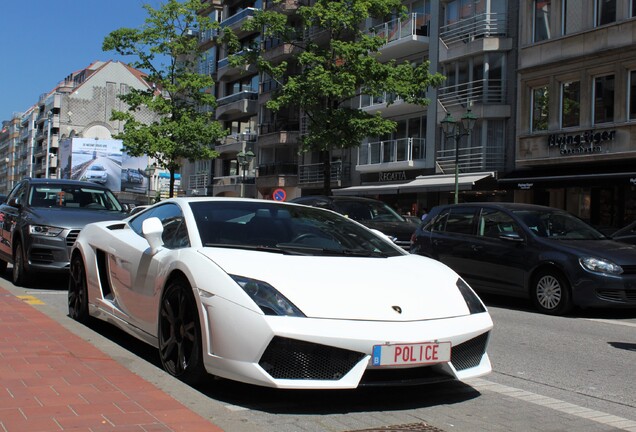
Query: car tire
x=78, y=291
x=19, y=275
x=551, y=293
x=180, y=347
x=3, y=266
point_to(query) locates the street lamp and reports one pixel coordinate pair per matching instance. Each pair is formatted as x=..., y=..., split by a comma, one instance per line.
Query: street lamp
x=244, y=160
x=150, y=171
x=455, y=130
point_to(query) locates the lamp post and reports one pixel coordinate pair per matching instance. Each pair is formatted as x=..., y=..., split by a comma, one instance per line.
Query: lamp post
x=49, y=115
x=455, y=130
x=244, y=160
x=150, y=171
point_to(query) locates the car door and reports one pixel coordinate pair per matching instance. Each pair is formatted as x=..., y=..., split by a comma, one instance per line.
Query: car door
x=452, y=234
x=9, y=217
x=499, y=254
x=135, y=274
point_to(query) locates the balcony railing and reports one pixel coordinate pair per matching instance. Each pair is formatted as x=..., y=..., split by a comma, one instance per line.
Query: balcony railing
x=480, y=91
x=396, y=150
x=288, y=126
x=242, y=95
x=470, y=159
x=207, y=35
x=315, y=173
x=479, y=26
x=280, y=168
x=233, y=180
x=198, y=181
x=398, y=28
x=245, y=13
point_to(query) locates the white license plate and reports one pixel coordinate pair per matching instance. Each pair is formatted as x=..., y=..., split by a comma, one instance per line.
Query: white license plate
x=411, y=354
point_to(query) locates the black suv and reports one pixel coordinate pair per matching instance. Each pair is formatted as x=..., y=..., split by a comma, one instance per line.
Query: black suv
x=541, y=253
x=371, y=213
x=41, y=218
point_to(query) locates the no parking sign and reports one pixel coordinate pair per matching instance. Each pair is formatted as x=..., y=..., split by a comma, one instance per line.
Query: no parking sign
x=279, y=195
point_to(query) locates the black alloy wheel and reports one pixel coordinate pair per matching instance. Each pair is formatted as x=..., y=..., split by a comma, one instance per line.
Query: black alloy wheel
x=19, y=274
x=551, y=293
x=180, y=347
x=77, y=291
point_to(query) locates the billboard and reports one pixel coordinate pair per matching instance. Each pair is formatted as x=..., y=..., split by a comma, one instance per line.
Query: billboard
x=104, y=162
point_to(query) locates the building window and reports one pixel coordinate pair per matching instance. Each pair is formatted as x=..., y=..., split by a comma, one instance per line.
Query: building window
x=570, y=104
x=632, y=95
x=572, y=16
x=603, y=99
x=541, y=20
x=605, y=12
x=540, y=104
x=633, y=8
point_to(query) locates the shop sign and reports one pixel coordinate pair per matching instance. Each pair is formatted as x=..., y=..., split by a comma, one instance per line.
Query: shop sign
x=581, y=143
x=525, y=186
x=392, y=176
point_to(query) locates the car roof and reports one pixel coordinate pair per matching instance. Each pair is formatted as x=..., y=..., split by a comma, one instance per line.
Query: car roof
x=67, y=182
x=337, y=198
x=501, y=205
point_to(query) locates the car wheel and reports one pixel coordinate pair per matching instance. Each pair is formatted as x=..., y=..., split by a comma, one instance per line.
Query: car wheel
x=19, y=275
x=3, y=266
x=180, y=347
x=551, y=293
x=77, y=291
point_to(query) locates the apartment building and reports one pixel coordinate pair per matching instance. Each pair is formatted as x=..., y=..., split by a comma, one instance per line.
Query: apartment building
x=472, y=42
x=576, y=123
x=79, y=106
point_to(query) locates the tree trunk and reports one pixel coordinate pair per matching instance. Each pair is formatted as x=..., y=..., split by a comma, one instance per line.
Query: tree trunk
x=326, y=185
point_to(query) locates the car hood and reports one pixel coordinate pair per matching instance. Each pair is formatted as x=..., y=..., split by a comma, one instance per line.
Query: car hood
x=617, y=252
x=401, y=230
x=71, y=218
x=352, y=287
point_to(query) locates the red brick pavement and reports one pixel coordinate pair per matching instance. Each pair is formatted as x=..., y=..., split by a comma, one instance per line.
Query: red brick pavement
x=52, y=380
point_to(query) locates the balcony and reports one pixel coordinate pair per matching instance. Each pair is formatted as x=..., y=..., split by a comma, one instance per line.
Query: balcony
x=274, y=134
x=276, y=51
x=470, y=159
x=233, y=185
x=284, y=6
x=403, y=37
x=208, y=35
x=225, y=71
x=389, y=104
x=235, y=22
x=237, y=105
x=279, y=174
x=485, y=92
x=314, y=173
x=395, y=154
x=236, y=143
x=483, y=32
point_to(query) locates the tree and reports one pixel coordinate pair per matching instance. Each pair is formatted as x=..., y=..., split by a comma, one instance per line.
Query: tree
x=333, y=69
x=166, y=48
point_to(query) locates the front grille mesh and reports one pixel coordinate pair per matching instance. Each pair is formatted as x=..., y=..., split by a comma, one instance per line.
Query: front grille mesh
x=617, y=295
x=71, y=237
x=468, y=354
x=293, y=359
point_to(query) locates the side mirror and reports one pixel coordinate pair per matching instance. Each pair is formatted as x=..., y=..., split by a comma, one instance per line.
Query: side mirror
x=513, y=237
x=15, y=202
x=152, y=229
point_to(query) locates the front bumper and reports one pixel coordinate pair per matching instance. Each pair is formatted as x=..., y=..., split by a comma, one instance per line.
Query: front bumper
x=595, y=290
x=50, y=254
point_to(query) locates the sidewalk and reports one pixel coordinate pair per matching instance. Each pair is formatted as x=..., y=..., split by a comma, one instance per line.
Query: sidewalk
x=52, y=380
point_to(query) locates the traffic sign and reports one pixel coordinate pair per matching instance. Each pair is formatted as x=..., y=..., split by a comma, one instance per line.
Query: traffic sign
x=279, y=195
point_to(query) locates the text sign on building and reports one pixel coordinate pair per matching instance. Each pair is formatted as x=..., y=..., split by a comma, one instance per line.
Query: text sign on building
x=392, y=176
x=581, y=143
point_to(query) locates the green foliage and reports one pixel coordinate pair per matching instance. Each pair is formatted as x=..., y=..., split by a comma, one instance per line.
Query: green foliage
x=167, y=49
x=334, y=68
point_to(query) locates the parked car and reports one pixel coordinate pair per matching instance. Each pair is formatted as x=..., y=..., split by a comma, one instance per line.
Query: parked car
x=228, y=286
x=627, y=234
x=96, y=173
x=369, y=212
x=41, y=219
x=545, y=254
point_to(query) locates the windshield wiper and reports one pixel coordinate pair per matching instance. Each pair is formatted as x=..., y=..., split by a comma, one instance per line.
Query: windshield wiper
x=309, y=250
x=259, y=248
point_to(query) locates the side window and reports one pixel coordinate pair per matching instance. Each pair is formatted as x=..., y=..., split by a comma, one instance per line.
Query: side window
x=439, y=223
x=460, y=220
x=18, y=192
x=175, y=233
x=493, y=223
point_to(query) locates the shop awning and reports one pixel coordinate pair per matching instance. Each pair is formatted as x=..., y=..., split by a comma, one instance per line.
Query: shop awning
x=433, y=183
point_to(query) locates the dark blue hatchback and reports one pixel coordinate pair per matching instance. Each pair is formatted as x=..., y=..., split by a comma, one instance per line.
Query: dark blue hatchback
x=523, y=250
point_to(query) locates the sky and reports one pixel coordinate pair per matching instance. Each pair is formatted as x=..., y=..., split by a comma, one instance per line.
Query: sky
x=43, y=41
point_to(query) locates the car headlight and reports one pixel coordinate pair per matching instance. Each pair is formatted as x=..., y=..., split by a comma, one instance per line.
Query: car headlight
x=45, y=230
x=598, y=265
x=472, y=301
x=267, y=297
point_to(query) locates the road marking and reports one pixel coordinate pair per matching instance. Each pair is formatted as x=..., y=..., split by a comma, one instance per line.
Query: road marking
x=621, y=323
x=555, y=404
x=32, y=300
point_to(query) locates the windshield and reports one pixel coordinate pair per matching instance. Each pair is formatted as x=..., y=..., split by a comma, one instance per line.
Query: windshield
x=368, y=210
x=558, y=225
x=71, y=196
x=286, y=228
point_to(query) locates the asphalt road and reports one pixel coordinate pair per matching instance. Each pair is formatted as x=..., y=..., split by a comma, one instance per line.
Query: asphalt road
x=550, y=374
